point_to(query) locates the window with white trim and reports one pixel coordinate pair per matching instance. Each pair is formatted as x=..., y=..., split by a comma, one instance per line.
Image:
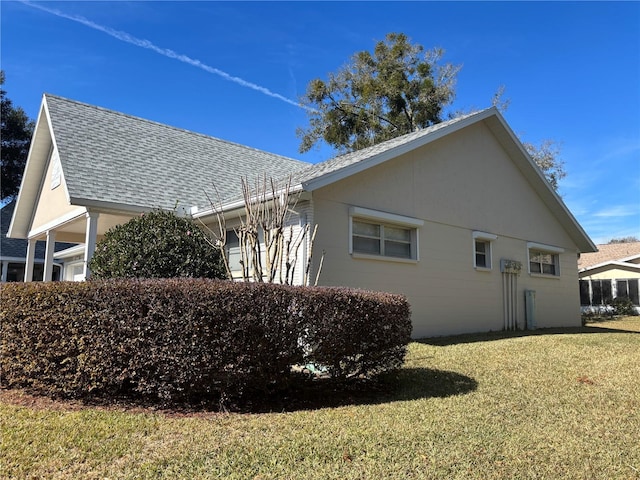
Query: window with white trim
x=544, y=259
x=482, y=250
x=379, y=234
x=234, y=255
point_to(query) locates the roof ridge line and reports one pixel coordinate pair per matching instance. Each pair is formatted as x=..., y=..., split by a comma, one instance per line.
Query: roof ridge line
x=172, y=127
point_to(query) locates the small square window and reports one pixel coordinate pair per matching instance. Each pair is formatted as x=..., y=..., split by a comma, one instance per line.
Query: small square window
x=482, y=254
x=482, y=250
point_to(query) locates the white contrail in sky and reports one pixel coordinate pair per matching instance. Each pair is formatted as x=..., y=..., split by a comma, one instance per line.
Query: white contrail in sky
x=125, y=37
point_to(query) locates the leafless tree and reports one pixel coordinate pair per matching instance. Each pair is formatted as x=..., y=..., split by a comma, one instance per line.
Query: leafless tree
x=269, y=247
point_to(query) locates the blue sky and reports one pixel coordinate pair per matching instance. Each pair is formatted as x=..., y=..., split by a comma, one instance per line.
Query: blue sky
x=234, y=70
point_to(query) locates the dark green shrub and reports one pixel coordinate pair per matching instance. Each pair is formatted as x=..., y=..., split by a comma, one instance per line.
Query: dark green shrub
x=158, y=244
x=623, y=306
x=175, y=340
x=354, y=333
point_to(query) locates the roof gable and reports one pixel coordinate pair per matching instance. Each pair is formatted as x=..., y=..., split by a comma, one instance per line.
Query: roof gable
x=116, y=161
x=110, y=157
x=341, y=167
x=337, y=168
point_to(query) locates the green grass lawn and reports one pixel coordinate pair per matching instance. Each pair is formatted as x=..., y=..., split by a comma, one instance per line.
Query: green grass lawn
x=556, y=404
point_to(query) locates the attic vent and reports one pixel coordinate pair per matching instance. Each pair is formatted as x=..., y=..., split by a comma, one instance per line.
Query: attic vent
x=56, y=170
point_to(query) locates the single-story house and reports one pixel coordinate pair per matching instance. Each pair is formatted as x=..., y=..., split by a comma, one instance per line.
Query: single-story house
x=611, y=272
x=456, y=216
x=13, y=253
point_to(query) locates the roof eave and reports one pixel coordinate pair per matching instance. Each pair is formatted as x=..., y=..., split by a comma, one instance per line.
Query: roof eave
x=238, y=204
x=624, y=265
x=69, y=252
x=109, y=207
x=632, y=257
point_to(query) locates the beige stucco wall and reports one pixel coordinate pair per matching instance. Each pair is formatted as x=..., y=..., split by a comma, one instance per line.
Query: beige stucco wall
x=458, y=184
x=52, y=203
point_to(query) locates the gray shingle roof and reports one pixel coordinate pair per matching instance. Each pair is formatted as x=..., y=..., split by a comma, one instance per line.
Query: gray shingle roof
x=112, y=157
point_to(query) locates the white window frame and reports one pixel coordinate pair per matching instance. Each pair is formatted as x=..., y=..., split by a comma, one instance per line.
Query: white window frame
x=487, y=239
x=233, y=254
x=533, y=247
x=392, y=220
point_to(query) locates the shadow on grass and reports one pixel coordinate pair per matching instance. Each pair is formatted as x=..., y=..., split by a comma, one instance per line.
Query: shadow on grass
x=489, y=336
x=403, y=385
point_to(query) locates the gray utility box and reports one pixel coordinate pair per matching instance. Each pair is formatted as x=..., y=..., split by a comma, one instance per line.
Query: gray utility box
x=530, y=309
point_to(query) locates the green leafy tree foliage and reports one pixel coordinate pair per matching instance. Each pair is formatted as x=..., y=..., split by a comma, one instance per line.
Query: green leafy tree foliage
x=158, y=244
x=547, y=157
x=397, y=89
x=15, y=138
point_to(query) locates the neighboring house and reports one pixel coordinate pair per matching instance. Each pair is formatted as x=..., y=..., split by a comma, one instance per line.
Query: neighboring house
x=456, y=216
x=13, y=253
x=611, y=272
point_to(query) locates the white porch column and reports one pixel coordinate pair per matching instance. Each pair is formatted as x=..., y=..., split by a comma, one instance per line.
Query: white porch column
x=48, y=256
x=5, y=270
x=90, y=241
x=31, y=255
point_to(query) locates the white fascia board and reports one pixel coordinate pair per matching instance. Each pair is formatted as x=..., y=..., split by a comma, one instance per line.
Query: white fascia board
x=368, y=214
x=70, y=252
x=377, y=159
x=109, y=207
x=622, y=265
x=225, y=208
x=629, y=259
x=42, y=148
x=29, y=191
x=58, y=222
x=237, y=206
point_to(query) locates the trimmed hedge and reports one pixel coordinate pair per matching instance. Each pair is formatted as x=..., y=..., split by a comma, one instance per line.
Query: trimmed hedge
x=176, y=340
